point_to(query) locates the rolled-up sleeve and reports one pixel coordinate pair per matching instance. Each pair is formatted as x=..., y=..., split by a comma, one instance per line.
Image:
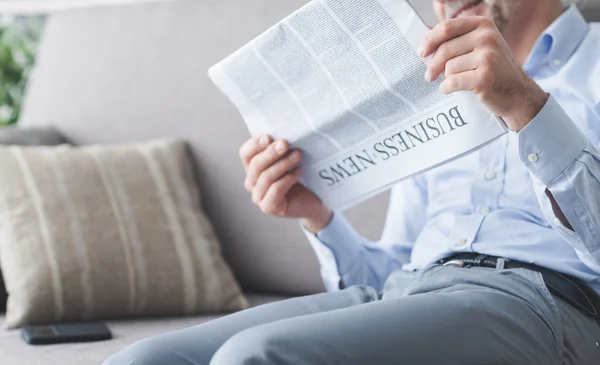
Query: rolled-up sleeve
x=563, y=160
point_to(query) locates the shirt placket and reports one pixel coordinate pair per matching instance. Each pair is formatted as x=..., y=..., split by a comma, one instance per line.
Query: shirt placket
x=488, y=186
x=485, y=194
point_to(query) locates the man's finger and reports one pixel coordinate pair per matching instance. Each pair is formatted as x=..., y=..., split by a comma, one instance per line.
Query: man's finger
x=448, y=30
x=274, y=173
x=274, y=200
x=252, y=147
x=463, y=81
x=264, y=160
x=460, y=64
x=446, y=51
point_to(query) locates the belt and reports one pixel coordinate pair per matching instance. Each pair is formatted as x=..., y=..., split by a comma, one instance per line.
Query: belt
x=570, y=289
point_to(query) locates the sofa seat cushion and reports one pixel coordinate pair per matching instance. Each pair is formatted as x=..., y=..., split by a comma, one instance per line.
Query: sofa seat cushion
x=15, y=351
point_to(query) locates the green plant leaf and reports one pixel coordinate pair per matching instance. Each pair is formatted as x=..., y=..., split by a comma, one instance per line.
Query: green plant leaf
x=18, y=43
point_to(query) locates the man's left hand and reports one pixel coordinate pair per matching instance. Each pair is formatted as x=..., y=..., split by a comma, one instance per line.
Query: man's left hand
x=476, y=58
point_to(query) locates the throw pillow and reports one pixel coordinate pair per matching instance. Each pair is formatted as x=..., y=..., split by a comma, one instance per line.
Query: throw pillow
x=25, y=137
x=101, y=232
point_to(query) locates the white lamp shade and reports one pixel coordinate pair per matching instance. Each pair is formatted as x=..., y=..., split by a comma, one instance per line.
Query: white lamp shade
x=49, y=6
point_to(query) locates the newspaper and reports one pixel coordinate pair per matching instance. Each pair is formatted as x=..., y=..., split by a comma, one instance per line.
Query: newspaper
x=341, y=80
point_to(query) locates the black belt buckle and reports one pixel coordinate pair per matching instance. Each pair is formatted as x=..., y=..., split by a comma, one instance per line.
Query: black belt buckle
x=453, y=263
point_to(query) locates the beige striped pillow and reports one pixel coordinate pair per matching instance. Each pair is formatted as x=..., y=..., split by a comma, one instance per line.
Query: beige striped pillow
x=104, y=232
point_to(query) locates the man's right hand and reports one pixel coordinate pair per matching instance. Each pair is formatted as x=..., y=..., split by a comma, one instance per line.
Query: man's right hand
x=272, y=175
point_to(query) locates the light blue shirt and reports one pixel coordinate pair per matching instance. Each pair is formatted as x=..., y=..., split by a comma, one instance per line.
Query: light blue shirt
x=493, y=201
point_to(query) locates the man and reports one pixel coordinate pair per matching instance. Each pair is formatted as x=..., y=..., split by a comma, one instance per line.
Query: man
x=531, y=197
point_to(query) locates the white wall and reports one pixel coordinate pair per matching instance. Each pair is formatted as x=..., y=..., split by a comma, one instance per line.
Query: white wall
x=425, y=10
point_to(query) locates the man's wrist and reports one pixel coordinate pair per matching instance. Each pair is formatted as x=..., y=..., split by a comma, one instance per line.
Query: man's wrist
x=319, y=221
x=533, y=101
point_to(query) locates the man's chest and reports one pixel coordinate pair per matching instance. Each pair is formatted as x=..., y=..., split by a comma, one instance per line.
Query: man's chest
x=492, y=176
x=495, y=174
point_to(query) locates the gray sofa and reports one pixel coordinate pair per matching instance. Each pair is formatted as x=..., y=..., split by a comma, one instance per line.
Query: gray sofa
x=138, y=72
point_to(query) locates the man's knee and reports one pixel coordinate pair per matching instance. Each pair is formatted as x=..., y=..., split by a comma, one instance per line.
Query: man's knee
x=255, y=346
x=145, y=352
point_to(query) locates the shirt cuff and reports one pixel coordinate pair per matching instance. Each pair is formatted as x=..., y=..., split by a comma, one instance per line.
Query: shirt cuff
x=550, y=142
x=343, y=241
x=328, y=266
x=340, y=239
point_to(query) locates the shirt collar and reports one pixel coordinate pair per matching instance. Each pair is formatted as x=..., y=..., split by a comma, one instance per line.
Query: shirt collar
x=559, y=41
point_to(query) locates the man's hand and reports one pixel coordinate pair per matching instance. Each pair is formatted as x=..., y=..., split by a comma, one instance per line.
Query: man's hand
x=476, y=58
x=272, y=174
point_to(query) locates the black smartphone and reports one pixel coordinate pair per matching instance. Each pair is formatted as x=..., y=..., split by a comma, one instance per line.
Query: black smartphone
x=64, y=333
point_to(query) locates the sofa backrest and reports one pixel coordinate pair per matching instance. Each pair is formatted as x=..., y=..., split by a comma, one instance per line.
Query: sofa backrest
x=138, y=72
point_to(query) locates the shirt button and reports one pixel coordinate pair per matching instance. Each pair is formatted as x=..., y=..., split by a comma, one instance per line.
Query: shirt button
x=556, y=62
x=490, y=175
x=485, y=210
x=461, y=242
x=533, y=157
x=557, y=222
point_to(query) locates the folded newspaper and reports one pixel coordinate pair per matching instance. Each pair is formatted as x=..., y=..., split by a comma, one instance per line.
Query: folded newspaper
x=341, y=80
